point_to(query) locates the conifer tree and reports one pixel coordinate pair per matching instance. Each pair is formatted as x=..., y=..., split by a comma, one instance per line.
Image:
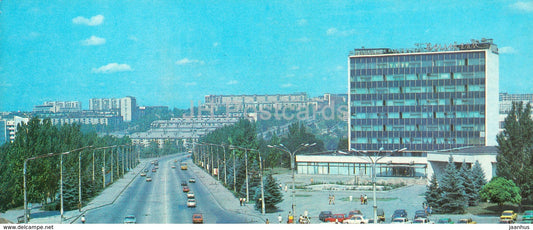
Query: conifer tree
x=272, y=194
x=433, y=193
x=453, y=192
x=478, y=178
x=471, y=195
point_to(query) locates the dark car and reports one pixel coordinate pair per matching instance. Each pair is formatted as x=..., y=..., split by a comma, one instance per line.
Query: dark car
x=420, y=214
x=399, y=213
x=324, y=214
x=445, y=221
x=183, y=183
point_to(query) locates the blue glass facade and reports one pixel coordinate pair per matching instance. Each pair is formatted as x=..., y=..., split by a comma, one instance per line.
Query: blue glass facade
x=419, y=101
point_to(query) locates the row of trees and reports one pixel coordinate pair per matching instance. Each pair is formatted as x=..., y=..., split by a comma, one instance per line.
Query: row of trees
x=456, y=189
x=244, y=136
x=40, y=137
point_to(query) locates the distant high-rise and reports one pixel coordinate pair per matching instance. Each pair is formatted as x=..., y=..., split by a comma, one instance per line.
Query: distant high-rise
x=424, y=99
x=125, y=107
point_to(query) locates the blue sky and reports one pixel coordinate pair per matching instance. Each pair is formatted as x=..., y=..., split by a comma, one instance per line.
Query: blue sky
x=172, y=52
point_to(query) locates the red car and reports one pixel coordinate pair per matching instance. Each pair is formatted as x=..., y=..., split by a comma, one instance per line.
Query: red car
x=197, y=218
x=336, y=218
x=185, y=189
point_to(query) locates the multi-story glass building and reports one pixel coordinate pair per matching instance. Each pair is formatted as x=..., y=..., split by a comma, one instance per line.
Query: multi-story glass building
x=424, y=99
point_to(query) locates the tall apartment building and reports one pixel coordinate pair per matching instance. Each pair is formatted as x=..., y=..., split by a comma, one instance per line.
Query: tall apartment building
x=506, y=103
x=266, y=102
x=125, y=107
x=11, y=127
x=58, y=107
x=424, y=99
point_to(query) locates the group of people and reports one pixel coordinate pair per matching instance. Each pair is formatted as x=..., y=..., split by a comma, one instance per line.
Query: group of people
x=364, y=199
x=332, y=199
x=303, y=219
x=242, y=201
x=427, y=208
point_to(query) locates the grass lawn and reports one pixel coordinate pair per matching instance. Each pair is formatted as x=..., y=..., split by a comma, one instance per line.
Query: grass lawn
x=492, y=209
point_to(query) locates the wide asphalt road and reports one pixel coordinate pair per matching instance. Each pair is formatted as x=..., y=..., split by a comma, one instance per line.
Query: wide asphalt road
x=162, y=201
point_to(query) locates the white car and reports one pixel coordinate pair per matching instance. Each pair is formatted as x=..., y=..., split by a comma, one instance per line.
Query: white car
x=422, y=221
x=356, y=219
x=400, y=220
x=190, y=195
x=191, y=203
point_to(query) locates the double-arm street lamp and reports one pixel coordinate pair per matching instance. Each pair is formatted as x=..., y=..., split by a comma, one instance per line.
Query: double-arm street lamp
x=374, y=157
x=292, y=155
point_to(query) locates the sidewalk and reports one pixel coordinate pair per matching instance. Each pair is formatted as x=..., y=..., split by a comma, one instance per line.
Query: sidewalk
x=107, y=197
x=225, y=198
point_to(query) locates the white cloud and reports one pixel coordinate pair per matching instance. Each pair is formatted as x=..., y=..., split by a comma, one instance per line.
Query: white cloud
x=286, y=85
x=133, y=38
x=186, y=61
x=216, y=44
x=335, y=32
x=507, y=50
x=524, y=6
x=190, y=84
x=332, y=31
x=112, y=67
x=301, y=22
x=93, y=41
x=93, y=21
x=232, y=82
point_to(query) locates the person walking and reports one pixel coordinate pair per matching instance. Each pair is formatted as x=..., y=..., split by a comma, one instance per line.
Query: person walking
x=280, y=219
x=366, y=199
x=362, y=199
x=267, y=222
x=333, y=199
x=83, y=219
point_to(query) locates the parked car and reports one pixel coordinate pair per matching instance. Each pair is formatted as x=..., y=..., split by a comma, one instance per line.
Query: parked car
x=506, y=221
x=508, y=214
x=130, y=219
x=420, y=214
x=191, y=203
x=186, y=189
x=354, y=212
x=355, y=219
x=422, y=220
x=400, y=220
x=336, y=218
x=528, y=215
x=399, y=213
x=197, y=218
x=192, y=180
x=445, y=221
x=190, y=194
x=324, y=214
x=381, y=215
x=148, y=179
x=184, y=183
x=466, y=221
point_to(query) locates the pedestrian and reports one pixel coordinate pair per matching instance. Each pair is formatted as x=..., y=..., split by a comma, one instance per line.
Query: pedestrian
x=329, y=199
x=240, y=201
x=430, y=210
x=244, y=201
x=333, y=199
x=280, y=219
x=362, y=199
x=306, y=213
x=285, y=188
x=83, y=219
x=301, y=219
x=267, y=222
x=366, y=199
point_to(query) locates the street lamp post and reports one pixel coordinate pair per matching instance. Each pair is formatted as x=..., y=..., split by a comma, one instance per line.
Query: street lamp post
x=291, y=154
x=373, y=160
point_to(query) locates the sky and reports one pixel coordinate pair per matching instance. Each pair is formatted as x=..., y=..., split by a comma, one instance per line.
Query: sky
x=172, y=52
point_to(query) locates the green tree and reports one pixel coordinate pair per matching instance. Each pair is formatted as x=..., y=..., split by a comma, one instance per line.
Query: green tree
x=515, y=149
x=478, y=178
x=272, y=194
x=453, y=192
x=343, y=144
x=500, y=190
x=433, y=193
x=471, y=195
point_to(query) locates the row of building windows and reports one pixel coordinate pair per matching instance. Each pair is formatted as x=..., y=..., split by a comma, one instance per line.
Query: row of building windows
x=421, y=89
x=419, y=140
x=417, y=127
x=407, y=115
x=419, y=63
x=417, y=76
x=419, y=102
x=382, y=170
